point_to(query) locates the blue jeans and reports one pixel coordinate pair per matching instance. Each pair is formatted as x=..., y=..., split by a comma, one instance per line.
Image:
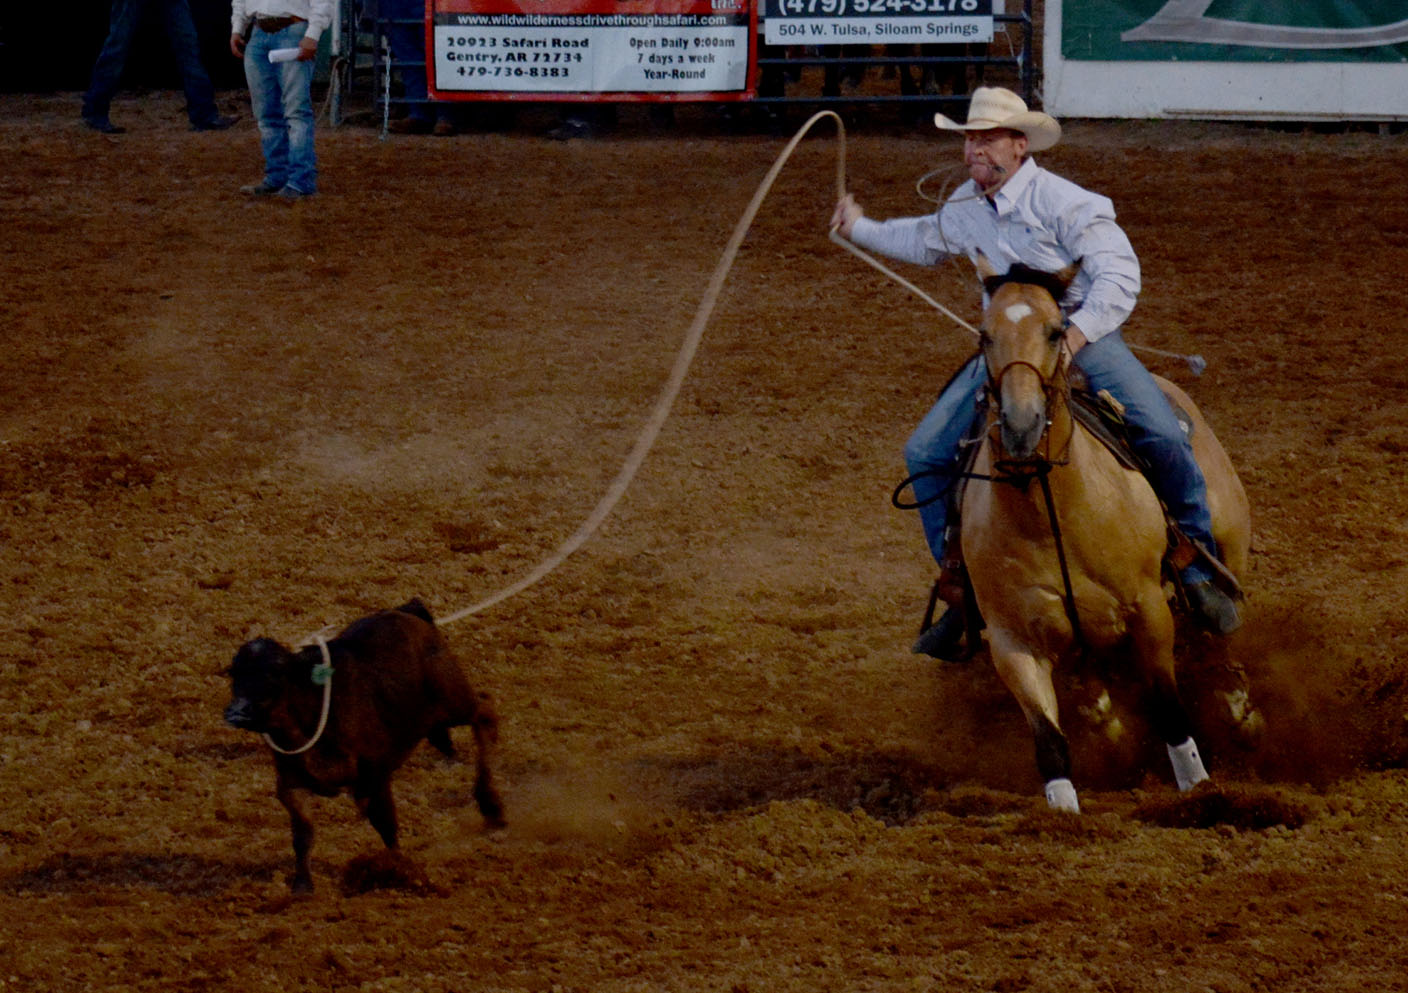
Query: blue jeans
x=180, y=31
x=1108, y=364
x=282, y=97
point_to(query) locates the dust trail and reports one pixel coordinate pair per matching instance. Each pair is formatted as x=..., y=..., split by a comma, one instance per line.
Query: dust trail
x=596, y=805
x=1331, y=707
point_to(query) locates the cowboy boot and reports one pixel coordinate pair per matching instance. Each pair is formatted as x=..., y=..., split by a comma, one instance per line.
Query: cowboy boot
x=944, y=638
x=954, y=636
x=1212, y=608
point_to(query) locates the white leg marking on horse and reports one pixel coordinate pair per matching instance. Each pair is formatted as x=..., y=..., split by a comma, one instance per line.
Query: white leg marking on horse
x=1246, y=718
x=1187, y=764
x=1017, y=311
x=1061, y=795
x=1101, y=714
x=1239, y=705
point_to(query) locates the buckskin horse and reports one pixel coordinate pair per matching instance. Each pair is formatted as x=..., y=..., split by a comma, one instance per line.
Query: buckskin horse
x=1065, y=545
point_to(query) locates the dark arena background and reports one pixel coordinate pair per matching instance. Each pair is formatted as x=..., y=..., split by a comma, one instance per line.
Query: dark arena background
x=722, y=768
x=42, y=51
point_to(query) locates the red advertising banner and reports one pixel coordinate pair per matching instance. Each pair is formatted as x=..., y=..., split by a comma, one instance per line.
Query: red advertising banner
x=663, y=50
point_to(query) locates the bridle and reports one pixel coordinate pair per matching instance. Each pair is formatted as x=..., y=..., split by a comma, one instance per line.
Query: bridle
x=1020, y=472
x=1056, y=391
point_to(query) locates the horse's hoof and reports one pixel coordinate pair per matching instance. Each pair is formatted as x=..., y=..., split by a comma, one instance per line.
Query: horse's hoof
x=1101, y=714
x=1247, y=723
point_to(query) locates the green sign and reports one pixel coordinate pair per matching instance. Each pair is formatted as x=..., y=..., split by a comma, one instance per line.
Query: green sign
x=1235, y=30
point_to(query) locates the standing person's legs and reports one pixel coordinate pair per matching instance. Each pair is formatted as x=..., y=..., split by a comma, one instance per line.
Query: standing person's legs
x=185, y=43
x=112, y=58
x=267, y=102
x=407, y=41
x=1159, y=440
x=296, y=85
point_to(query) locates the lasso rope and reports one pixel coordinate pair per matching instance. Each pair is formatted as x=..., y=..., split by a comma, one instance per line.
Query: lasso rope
x=876, y=263
x=684, y=359
x=672, y=386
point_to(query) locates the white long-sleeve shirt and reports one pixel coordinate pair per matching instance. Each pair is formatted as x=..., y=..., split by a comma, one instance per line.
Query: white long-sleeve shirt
x=318, y=14
x=1036, y=218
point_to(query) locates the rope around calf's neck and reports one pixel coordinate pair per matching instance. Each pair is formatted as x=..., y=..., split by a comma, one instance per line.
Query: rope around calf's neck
x=323, y=717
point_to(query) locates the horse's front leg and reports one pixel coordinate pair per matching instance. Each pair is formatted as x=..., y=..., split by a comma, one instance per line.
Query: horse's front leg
x=1029, y=679
x=1152, y=632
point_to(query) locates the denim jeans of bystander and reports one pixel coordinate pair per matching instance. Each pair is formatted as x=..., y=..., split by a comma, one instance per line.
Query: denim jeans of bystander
x=125, y=18
x=282, y=99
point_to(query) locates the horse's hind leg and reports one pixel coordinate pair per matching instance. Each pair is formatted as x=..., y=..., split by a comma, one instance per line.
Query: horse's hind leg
x=1029, y=680
x=1153, y=644
x=1221, y=678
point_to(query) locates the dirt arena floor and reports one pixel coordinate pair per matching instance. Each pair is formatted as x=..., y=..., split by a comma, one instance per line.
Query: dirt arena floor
x=723, y=768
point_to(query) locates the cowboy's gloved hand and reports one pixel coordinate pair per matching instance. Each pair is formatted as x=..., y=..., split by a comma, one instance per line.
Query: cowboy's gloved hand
x=844, y=217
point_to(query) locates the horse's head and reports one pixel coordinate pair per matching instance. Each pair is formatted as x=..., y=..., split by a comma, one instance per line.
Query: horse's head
x=1023, y=342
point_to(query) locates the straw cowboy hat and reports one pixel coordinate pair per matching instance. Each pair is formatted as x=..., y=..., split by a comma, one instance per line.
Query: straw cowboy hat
x=996, y=107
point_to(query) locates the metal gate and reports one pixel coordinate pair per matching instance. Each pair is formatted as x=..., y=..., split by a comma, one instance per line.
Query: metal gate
x=918, y=74
x=911, y=73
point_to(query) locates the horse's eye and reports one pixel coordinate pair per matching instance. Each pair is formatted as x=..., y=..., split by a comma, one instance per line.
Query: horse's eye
x=1056, y=334
x=984, y=339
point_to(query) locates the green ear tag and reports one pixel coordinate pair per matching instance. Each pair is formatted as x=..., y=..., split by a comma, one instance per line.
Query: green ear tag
x=322, y=674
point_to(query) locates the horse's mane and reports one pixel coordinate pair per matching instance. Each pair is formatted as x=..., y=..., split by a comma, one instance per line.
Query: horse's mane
x=1052, y=282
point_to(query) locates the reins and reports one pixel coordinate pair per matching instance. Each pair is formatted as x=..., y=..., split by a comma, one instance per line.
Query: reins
x=1069, y=599
x=1020, y=473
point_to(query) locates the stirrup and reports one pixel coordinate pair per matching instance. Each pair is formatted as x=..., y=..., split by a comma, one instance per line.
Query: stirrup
x=945, y=639
x=956, y=636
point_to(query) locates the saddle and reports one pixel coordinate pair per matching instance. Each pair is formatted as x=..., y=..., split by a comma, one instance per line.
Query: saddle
x=1103, y=416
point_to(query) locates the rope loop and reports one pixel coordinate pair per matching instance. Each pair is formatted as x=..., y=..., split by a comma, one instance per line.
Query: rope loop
x=321, y=673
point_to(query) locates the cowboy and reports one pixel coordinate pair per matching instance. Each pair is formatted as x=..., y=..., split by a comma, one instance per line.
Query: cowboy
x=1013, y=211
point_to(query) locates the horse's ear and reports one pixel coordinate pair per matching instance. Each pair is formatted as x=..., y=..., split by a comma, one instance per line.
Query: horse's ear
x=1068, y=274
x=985, y=269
